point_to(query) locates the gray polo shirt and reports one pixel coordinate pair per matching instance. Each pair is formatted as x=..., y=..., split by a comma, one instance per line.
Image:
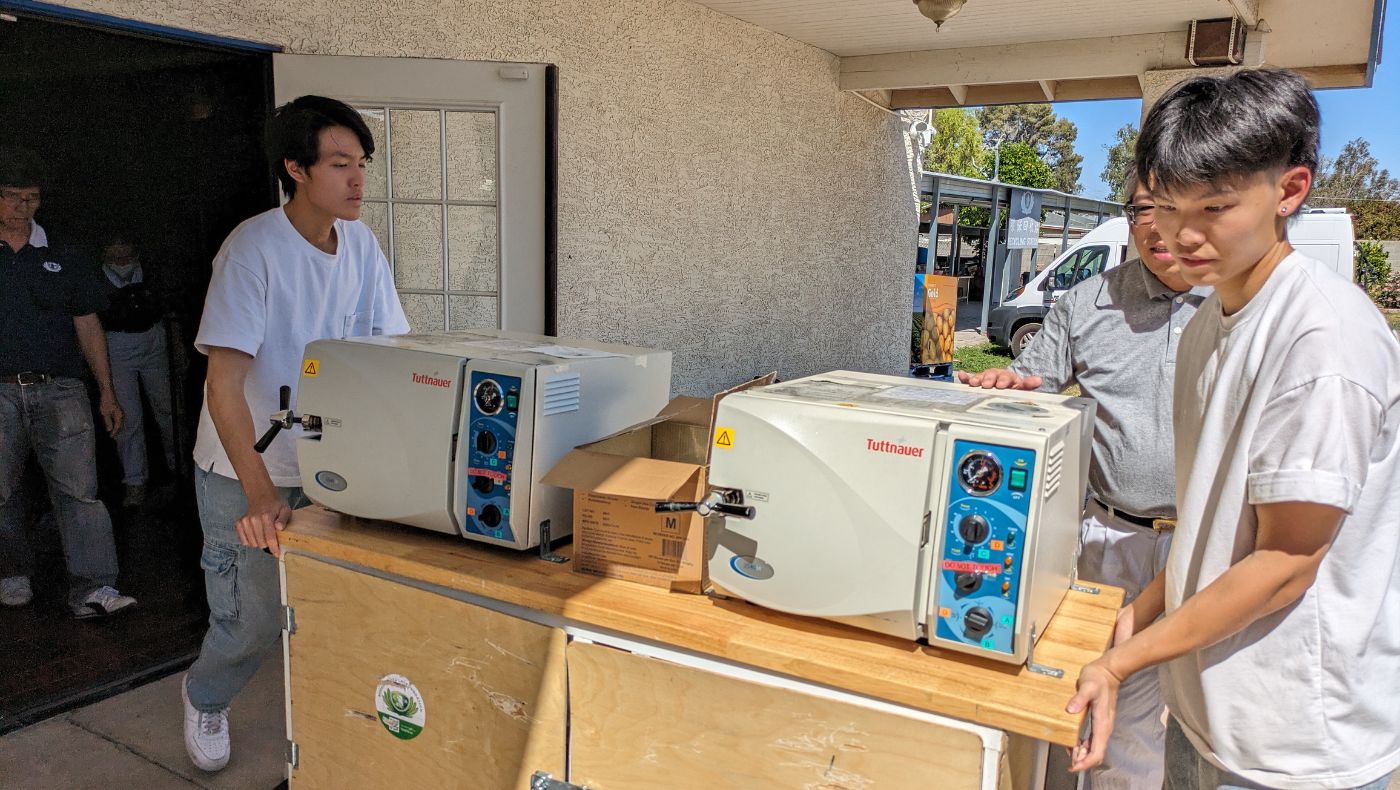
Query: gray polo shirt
x=1115, y=335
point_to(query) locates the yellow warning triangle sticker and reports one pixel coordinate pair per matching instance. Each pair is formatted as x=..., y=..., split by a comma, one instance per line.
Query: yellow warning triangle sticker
x=724, y=437
x=311, y=368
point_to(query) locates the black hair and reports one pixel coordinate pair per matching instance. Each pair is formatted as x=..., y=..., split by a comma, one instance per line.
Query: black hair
x=1221, y=130
x=294, y=132
x=20, y=167
x=114, y=237
x=1130, y=182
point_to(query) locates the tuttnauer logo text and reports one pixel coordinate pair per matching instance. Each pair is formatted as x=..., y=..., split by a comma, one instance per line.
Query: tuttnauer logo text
x=432, y=381
x=882, y=446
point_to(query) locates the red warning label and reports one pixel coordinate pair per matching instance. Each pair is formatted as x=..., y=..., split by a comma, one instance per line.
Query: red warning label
x=499, y=477
x=963, y=566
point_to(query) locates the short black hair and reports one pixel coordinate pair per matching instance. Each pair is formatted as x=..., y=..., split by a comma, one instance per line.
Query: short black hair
x=20, y=167
x=294, y=132
x=1220, y=130
x=1130, y=183
x=112, y=238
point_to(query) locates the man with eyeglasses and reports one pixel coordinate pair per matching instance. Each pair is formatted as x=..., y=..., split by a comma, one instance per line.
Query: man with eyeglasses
x=49, y=298
x=1116, y=336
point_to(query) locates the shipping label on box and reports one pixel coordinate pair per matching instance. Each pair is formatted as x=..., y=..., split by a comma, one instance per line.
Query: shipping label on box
x=617, y=482
x=624, y=538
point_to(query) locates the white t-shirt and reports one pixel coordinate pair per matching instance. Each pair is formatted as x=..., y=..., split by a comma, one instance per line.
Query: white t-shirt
x=1295, y=398
x=271, y=293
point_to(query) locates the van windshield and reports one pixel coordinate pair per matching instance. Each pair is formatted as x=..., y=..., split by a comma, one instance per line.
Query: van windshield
x=1078, y=267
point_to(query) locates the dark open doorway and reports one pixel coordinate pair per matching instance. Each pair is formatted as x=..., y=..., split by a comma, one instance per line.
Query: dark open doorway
x=157, y=140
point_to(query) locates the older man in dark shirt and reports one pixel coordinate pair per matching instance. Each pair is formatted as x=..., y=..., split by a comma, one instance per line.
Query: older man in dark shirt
x=49, y=300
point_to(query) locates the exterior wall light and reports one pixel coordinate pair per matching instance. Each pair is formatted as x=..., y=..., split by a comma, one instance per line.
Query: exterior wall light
x=939, y=11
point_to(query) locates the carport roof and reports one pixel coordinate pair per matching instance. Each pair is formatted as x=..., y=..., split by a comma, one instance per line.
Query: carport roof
x=1004, y=51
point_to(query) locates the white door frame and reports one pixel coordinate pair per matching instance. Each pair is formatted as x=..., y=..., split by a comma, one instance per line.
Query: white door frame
x=518, y=93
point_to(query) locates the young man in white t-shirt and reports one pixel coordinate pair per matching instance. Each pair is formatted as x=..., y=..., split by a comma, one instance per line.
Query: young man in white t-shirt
x=1280, y=645
x=302, y=272
x=1279, y=636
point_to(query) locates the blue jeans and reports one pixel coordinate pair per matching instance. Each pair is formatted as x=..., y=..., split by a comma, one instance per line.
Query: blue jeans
x=244, y=591
x=55, y=420
x=139, y=366
x=1188, y=770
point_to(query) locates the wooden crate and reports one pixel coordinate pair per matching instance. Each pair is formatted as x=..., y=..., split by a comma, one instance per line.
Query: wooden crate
x=492, y=686
x=718, y=694
x=638, y=723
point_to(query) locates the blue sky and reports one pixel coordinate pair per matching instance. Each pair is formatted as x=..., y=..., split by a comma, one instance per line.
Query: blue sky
x=1372, y=113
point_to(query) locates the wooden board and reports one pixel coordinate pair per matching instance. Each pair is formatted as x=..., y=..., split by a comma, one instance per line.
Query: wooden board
x=493, y=686
x=638, y=723
x=1005, y=696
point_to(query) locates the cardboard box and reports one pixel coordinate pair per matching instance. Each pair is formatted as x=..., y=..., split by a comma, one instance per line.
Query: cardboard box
x=617, y=482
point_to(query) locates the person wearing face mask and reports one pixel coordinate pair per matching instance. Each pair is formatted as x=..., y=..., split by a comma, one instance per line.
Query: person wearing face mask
x=136, y=346
x=1115, y=336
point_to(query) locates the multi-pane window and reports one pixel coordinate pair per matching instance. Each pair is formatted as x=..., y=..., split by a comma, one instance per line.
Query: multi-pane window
x=431, y=196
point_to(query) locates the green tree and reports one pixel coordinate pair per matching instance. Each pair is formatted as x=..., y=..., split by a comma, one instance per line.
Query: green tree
x=957, y=145
x=1038, y=126
x=1353, y=175
x=1022, y=165
x=957, y=148
x=1374, y=219
x=1355, y=180
x=1120, y=160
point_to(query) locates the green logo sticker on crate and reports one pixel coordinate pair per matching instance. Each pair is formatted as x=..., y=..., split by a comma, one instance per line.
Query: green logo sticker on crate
x=400, y=706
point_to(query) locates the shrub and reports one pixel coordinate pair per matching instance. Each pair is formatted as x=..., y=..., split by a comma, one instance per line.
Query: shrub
x=1372, y=267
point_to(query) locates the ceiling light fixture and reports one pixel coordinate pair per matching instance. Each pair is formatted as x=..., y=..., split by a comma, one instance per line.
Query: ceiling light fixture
x=939, y=11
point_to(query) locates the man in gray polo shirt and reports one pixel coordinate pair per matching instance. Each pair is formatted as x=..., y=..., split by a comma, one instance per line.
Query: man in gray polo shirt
x=1116, y=336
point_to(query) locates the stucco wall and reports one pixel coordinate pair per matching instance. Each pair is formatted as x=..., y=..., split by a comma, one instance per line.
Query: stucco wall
x=718, y=195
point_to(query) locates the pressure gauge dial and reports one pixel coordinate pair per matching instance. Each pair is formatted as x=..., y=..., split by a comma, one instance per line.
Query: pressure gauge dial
x=979, y=473
x=489, y=397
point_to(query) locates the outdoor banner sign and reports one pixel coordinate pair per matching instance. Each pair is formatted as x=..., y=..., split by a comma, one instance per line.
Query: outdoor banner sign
x=1023, y=224
x=940, y=319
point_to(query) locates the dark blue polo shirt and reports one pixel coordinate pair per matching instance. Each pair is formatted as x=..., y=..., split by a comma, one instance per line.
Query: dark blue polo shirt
x=42, y=288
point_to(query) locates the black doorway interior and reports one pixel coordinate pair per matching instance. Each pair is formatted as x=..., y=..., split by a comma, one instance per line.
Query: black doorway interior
x=159, y=140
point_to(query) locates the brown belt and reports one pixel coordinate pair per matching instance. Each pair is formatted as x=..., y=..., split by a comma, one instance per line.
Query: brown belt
x=1150, y=522
x=26, y=378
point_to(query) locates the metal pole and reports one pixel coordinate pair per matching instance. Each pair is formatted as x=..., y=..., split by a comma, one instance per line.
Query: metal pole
x=990, y=267
x=955, y=248
x=1064, y=234
x=996, y=165
x=932, y=259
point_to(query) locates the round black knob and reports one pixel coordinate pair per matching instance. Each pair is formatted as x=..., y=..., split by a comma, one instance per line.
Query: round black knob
x=483, y=484
x=977, y=622
x=968, y=582
x=486, y=442
x=974, y=529
x=490, y=516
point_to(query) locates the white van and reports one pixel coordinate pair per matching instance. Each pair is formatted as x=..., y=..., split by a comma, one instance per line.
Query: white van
x=1324, y=233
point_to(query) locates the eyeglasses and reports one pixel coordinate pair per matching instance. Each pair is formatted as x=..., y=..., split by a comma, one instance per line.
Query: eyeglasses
x=14, y=199
x=1139, y=213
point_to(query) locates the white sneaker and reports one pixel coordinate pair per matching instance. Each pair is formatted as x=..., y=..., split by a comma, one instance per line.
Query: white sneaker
x=14, y=591
x=102, y=602
x=206, y=734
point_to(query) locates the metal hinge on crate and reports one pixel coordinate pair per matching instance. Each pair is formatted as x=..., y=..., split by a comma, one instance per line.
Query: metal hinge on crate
x=293, y=754
x=543, y=781
x=289, y=619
